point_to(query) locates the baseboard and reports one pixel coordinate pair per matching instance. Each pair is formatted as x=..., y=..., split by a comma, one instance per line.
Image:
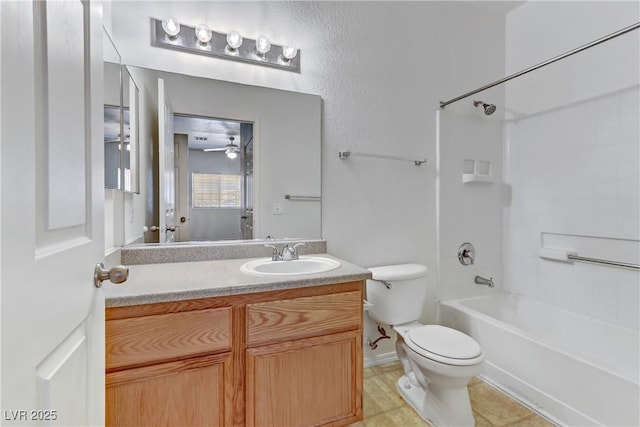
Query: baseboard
x=380, y=359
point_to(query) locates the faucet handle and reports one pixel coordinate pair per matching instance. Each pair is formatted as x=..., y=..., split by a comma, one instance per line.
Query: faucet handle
x=294, y=250
x=288, y=253
x=275, y=256
x=466, y=254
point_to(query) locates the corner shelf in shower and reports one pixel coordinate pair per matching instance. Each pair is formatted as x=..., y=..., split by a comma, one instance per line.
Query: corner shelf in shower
x=473, y=177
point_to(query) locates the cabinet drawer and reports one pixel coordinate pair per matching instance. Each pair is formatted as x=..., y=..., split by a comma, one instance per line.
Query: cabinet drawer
x=297, y=318
x=142, y=340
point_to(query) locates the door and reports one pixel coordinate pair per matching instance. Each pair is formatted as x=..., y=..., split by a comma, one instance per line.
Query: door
x=182, y=187
x=52, y=213
x=246, y=218
x=166, y=177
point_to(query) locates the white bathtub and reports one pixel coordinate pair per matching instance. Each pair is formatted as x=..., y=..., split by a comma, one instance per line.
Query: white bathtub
x=574, y=369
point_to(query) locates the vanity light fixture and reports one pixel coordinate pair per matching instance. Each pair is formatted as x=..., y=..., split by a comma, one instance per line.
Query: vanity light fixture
x=171, y=27
x=263, y=45
x=234, y=41
x=288, y=53
x=170, y=34
x=203, y=34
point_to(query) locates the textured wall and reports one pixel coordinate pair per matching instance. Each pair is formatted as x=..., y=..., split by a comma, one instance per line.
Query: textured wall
x=381, y=68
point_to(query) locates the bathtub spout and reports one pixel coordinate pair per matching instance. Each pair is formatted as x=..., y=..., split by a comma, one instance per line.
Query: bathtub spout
x=482, y=281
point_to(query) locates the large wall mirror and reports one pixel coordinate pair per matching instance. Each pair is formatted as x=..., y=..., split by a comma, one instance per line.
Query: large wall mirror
x=229, y=161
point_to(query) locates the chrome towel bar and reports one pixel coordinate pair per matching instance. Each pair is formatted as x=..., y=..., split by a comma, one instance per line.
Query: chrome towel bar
x=604, y=261
x=345, y=154
x=302, y=198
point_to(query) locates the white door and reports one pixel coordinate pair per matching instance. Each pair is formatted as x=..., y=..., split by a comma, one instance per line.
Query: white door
x=167, y=187
x=52, y=213
x=182, y=189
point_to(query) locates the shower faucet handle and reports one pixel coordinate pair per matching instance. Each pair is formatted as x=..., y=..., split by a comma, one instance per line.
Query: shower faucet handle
x=466, y=254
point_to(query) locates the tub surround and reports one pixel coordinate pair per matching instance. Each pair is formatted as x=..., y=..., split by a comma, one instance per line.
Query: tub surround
x=209, y=251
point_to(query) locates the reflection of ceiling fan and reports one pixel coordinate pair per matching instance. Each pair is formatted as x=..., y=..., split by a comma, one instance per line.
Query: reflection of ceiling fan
x=231, y=149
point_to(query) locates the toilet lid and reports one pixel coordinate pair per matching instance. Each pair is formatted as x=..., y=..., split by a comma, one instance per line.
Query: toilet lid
x=445, y=342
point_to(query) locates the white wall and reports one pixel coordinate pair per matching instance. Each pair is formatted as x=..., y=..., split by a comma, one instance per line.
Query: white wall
x=381, y=69
x=572, y=158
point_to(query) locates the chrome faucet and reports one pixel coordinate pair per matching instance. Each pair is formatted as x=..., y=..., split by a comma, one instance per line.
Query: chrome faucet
x=275, y=255
x=288, y=252
x=482, y=281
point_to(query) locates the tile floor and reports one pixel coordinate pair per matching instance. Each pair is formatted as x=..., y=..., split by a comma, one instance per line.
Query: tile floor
x=383, y=406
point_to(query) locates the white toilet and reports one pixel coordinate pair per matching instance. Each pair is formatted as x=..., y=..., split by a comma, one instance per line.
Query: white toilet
x=438, y=361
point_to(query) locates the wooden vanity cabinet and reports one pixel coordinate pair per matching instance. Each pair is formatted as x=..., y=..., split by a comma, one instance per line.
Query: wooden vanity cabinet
x=280, y=358
x=168, y=365
x=304, y=360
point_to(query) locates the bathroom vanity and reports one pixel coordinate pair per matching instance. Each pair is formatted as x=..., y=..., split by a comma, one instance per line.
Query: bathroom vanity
x=202, y=343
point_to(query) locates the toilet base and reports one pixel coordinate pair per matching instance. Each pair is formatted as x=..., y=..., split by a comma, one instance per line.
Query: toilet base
x=447, y=408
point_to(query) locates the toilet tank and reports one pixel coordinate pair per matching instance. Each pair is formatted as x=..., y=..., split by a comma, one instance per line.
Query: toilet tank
x=403, y=301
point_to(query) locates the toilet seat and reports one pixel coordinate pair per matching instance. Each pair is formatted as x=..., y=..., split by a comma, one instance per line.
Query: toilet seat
x=444, y=345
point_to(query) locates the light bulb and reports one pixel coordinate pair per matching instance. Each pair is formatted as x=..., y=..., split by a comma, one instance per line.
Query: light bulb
x=171, y=27
x=234, y=40
x=289, y=52
x=231, y=153
x=203, y=33
x=263, y=45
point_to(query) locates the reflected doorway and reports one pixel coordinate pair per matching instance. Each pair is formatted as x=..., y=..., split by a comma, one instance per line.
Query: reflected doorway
x=214, y=178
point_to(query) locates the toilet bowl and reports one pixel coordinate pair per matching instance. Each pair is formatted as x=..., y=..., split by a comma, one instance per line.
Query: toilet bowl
x=438, y=361
x=436, y=376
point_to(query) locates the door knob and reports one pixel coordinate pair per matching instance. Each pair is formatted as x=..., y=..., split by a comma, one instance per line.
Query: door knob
x=170, y=228
x=117, y=274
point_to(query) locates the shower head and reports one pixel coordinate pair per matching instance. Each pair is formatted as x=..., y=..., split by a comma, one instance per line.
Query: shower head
x=488, y=108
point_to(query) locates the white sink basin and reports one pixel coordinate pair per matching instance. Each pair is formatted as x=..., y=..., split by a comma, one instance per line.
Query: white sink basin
x=304, y=265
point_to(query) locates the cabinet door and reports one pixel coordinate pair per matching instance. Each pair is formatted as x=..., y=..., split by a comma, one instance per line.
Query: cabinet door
x=189, y=392
x=316, y=381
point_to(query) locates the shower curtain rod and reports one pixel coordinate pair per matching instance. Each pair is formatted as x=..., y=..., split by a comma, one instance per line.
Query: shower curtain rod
x=543, y=64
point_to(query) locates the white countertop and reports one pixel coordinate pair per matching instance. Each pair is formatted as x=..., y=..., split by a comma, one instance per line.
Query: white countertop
x=153, y=283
